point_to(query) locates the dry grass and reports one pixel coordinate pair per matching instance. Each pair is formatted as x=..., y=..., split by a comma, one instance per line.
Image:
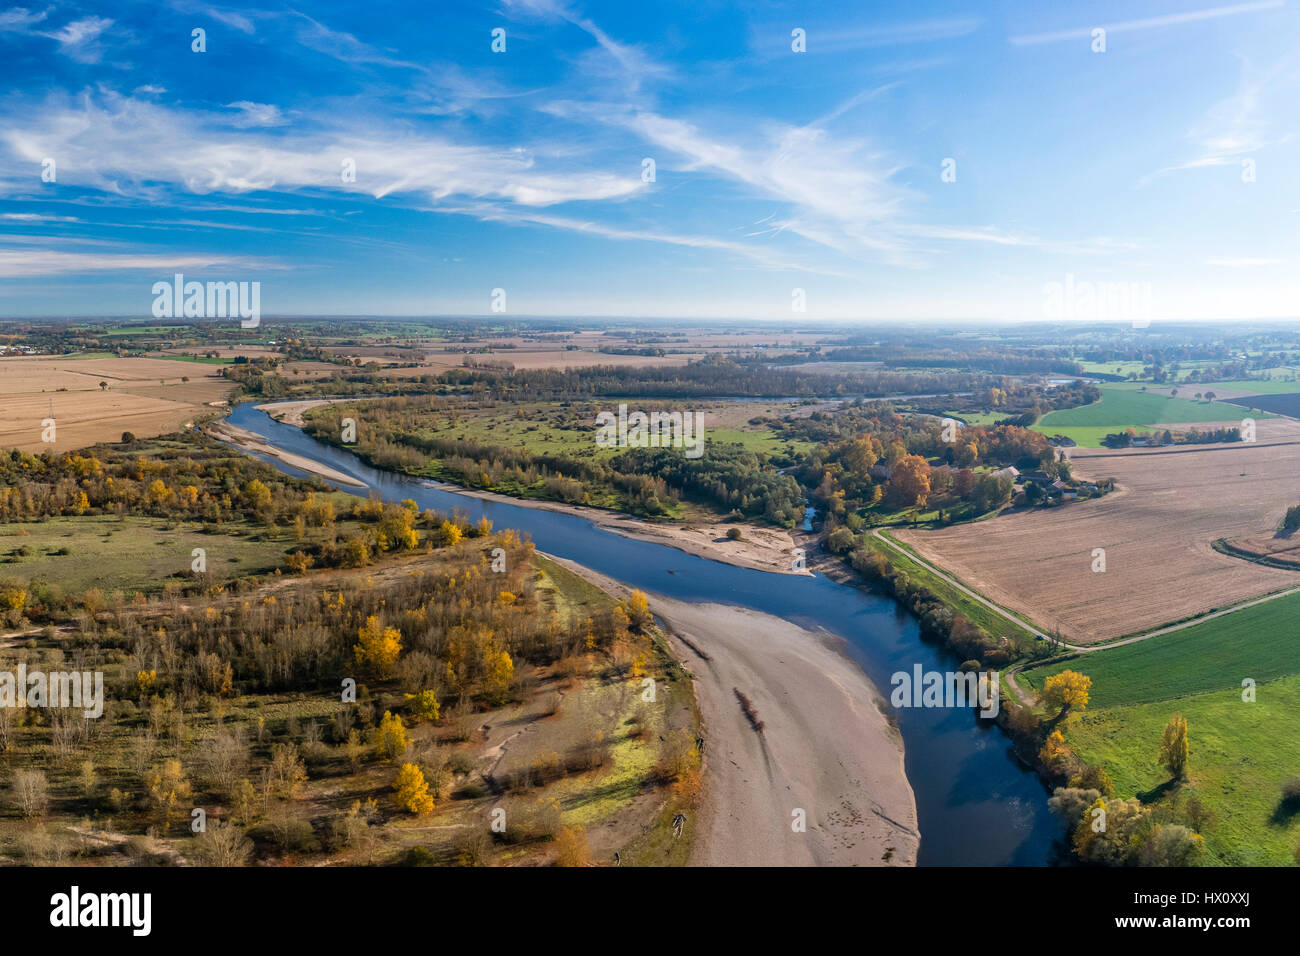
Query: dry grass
x=1156, y=530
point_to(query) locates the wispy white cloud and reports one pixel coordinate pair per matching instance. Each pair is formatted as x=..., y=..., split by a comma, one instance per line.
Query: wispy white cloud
x=19, y=19
x=345, y=47
x=1259, y=114
x=129, y=147
x=230, y=18
x=766, y=257
x=1241, y=262
x=80, y=38
x=36, y=217
x=256, y=114
x=1149, y=23
x=25, y=263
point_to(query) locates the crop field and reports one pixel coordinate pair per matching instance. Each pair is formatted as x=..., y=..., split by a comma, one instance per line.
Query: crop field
x=141, y=395
x=1260, y=642
x=1287, y=403
x=1156, y=531
x=1123, y=406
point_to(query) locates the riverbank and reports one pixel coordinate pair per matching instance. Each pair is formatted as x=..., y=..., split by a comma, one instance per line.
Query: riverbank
x=256, y=444
x=291, y=413
x=826, y=746
x=759, y=548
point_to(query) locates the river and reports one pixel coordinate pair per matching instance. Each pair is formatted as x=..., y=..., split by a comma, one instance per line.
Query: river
x=976, y=804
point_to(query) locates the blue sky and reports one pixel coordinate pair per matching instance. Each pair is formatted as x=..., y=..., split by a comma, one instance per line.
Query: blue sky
x=775, y=170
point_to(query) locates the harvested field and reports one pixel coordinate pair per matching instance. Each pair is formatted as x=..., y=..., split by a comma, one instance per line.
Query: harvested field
x=142, y=395
x=1157, y=530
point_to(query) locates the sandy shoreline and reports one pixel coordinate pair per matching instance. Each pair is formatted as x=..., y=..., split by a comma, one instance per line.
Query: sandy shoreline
x=291, y=412
x=763, y=549
x=247, y=441
x=826, y=747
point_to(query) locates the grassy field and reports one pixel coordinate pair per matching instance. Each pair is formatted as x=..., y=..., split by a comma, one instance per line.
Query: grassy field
x=1258, y=642
x=1241, y=753
x=977, y=418
x=131, y=553
x=1123, y=406
x=550, y=428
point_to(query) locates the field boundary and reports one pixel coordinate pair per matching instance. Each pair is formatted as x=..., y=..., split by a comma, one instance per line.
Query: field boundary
x=880, y=535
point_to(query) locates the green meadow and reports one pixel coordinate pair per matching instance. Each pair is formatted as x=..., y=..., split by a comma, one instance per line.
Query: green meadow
x=1241, y=754
x=1124, y=406
x=1260, y=642
x=131, y=553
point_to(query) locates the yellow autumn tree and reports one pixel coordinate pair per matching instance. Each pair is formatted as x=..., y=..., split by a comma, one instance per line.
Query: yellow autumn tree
x=498, y=673
x=168, y=790
x=1056, y=753
x=389, y=737
x=450, y=533
x=638, y=610
x=424, y=705
x=571, y=846
x=412, y=791
x=1174, y=748
x=1067, y=690
x=378, y=648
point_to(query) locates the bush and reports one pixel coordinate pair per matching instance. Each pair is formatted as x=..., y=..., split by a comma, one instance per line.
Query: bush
x=840, y=540
x=1292, y=520
x=733, y=534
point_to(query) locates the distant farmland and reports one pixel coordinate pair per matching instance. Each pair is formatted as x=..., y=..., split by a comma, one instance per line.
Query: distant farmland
x=1123, y=406
x=1287, y=403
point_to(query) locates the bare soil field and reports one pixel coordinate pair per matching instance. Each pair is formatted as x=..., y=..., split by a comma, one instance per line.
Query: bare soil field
x=144, y=396
x=546, y=358
x=1156, y=530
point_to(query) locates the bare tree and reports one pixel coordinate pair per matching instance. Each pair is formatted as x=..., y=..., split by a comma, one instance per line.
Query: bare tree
x=31, y=792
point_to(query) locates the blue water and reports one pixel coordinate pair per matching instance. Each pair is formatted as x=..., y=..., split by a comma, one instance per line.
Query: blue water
x=976, y=805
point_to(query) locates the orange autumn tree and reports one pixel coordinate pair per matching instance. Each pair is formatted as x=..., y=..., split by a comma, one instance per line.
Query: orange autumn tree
x=909, y=482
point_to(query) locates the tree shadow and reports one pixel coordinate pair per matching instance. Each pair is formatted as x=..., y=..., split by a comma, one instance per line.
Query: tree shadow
x=1285, y=811
x=1159, y=792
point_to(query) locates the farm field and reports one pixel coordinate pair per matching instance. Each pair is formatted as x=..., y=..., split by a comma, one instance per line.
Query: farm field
x=1287, y=403
x=142, y=395
x=1123, y=406
x=1156, y=531
x=1258, y=642
x=1241, y=753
